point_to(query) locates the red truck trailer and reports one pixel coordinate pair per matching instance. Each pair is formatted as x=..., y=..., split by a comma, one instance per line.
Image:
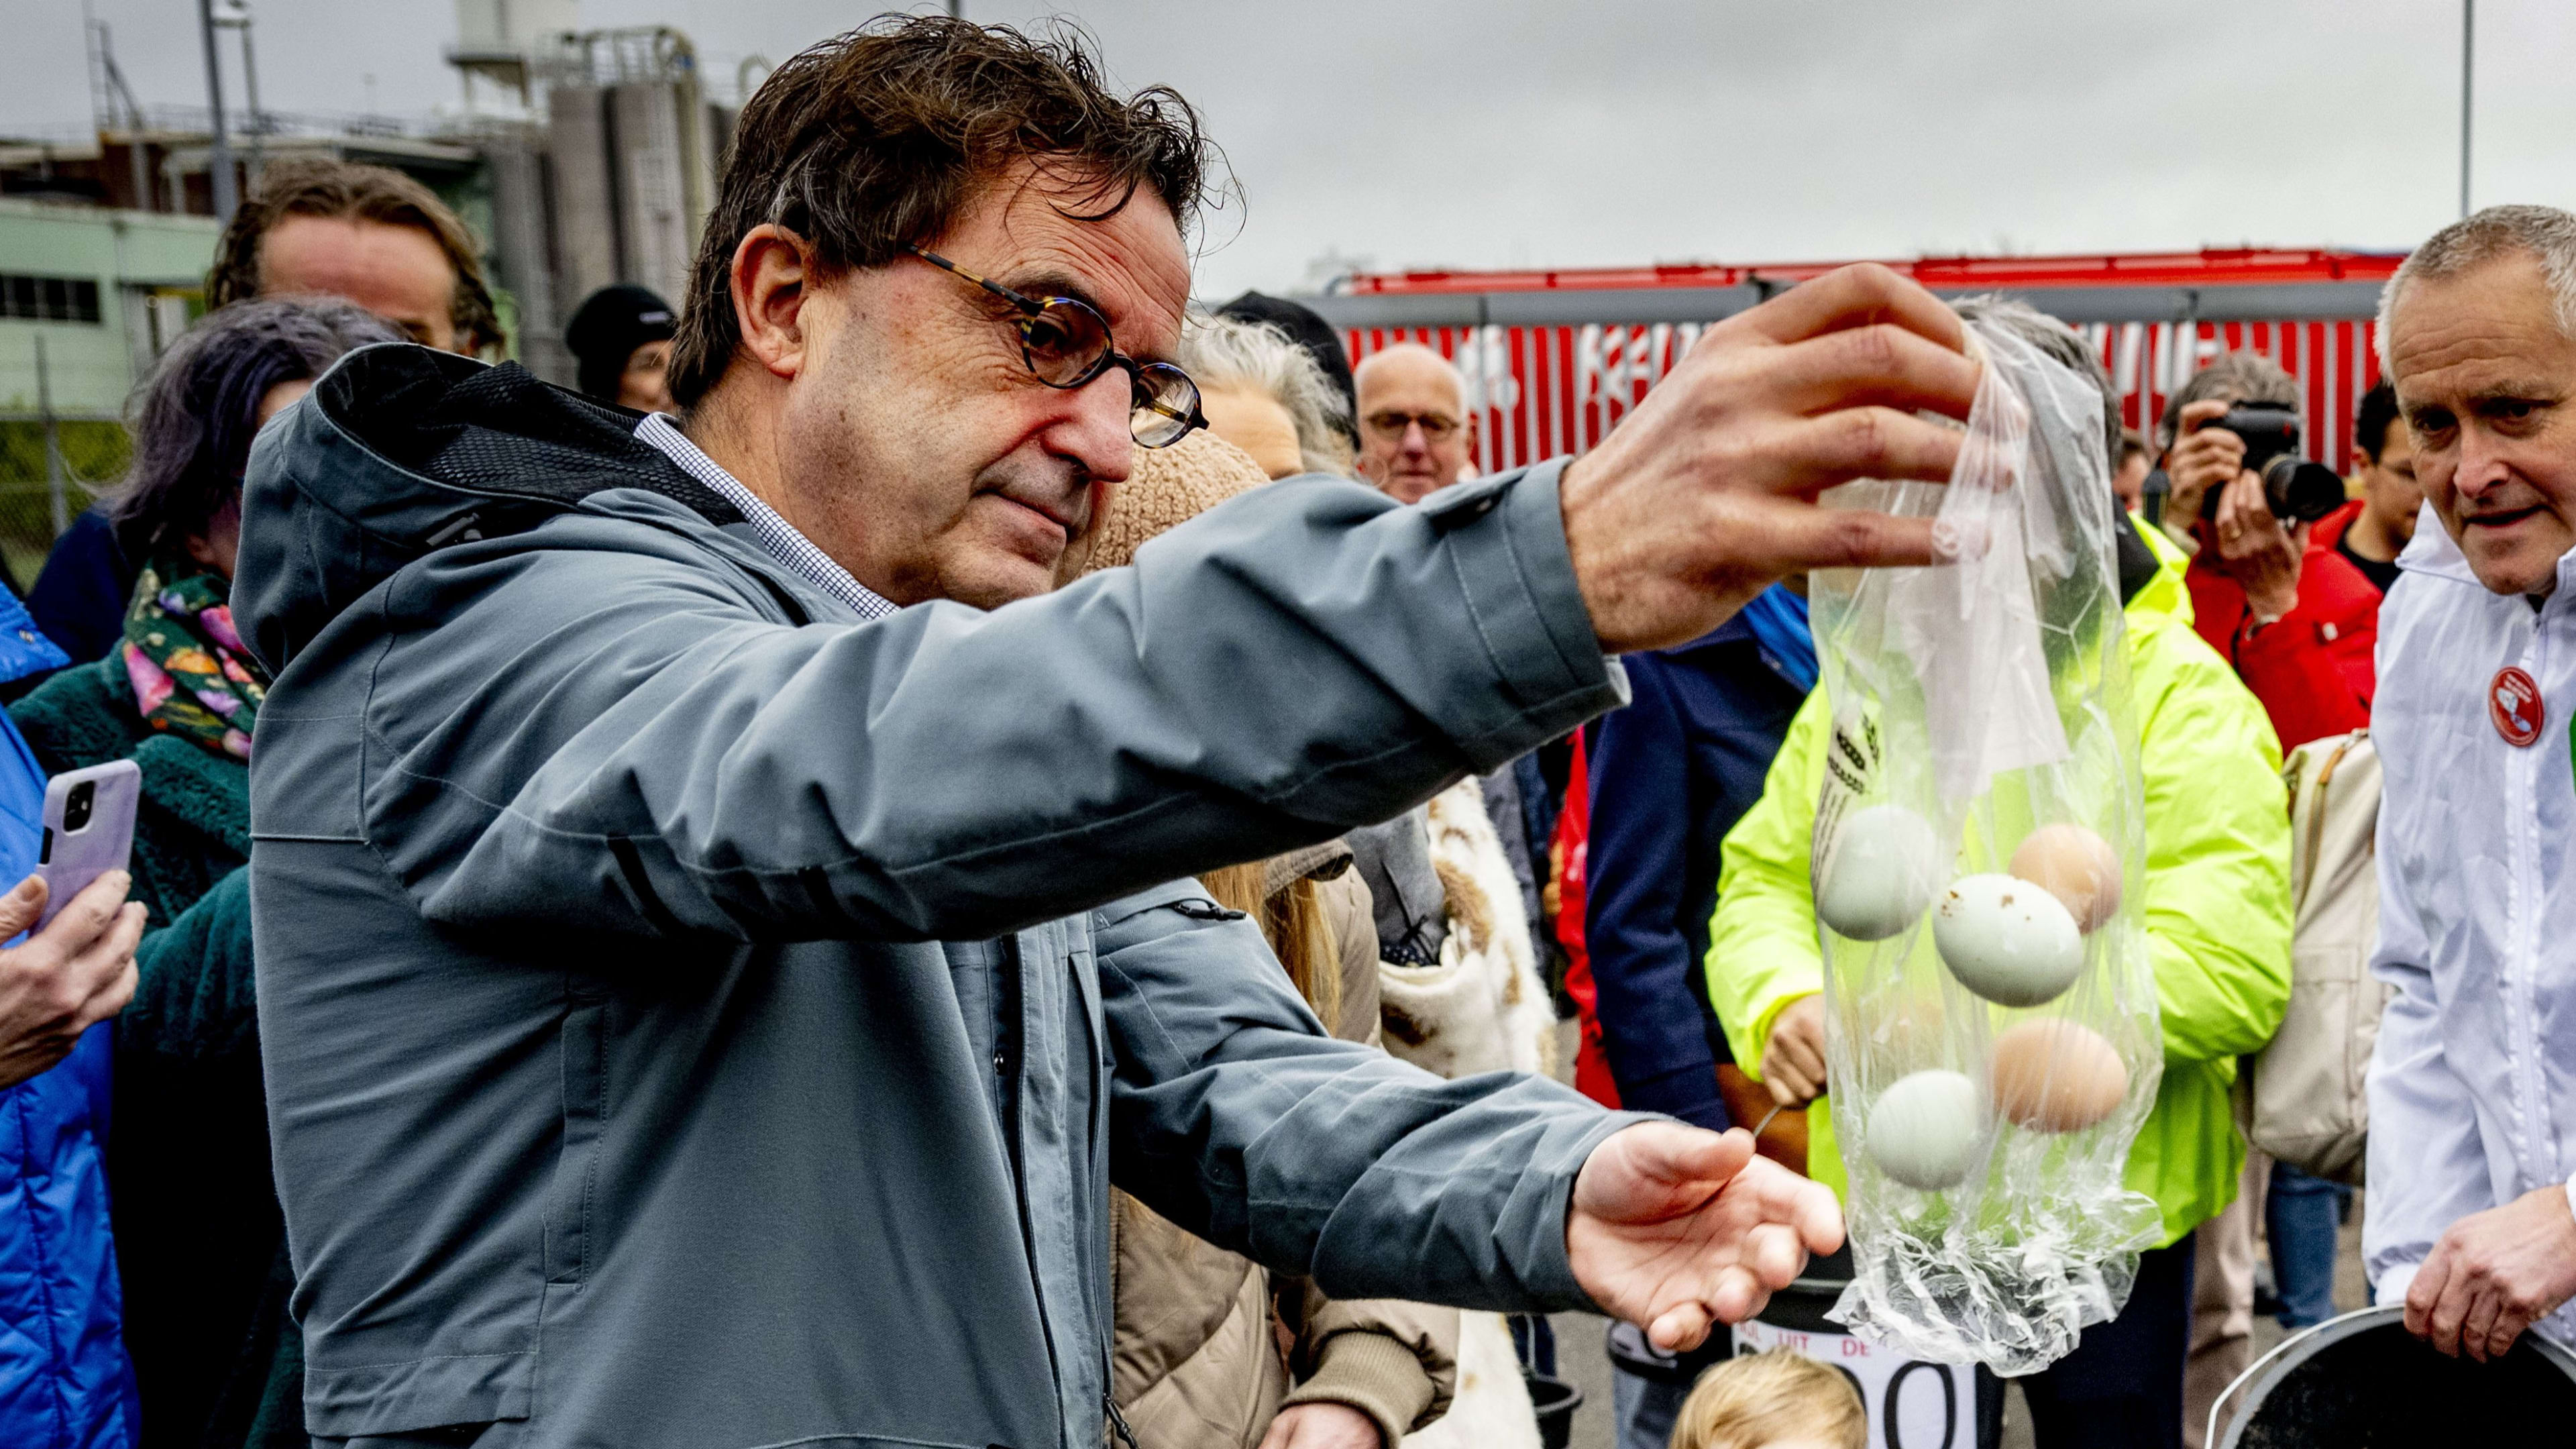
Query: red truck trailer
x=1553, y=358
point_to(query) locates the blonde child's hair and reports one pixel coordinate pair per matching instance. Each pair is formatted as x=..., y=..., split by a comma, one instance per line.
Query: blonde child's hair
x=1768, y=1398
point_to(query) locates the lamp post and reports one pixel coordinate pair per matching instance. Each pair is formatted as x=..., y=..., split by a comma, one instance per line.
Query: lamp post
x=235, y=15
x=2468, y=66
x=227, y=195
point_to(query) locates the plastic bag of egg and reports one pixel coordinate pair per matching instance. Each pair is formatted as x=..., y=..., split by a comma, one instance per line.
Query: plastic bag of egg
x=2015, y=939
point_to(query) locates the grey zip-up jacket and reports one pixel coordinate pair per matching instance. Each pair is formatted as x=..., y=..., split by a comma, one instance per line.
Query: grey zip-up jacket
x=695, y=1017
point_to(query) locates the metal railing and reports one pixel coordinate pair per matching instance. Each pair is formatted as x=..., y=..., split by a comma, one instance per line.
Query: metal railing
x=53, y=462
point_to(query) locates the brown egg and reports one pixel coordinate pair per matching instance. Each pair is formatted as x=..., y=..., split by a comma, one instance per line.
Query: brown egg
x=2075, y=865
x=2055, y=1076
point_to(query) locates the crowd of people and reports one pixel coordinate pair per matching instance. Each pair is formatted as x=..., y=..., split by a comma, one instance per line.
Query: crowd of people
x=955, y=848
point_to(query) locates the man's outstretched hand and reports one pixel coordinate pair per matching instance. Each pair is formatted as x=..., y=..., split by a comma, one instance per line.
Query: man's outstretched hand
x=1678, y=1229
x=1704, y=495
x=2494, y=1274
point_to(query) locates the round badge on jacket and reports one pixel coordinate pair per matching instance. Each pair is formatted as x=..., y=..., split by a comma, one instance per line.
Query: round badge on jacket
x=2513, y=702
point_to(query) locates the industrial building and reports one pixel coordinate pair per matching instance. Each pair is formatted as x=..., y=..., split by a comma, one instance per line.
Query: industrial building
x=582, y=158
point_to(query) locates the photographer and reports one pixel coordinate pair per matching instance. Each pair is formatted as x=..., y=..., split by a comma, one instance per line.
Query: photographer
x=2294, y=614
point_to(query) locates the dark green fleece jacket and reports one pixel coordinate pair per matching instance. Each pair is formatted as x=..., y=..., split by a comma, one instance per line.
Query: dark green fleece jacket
x=193, y=827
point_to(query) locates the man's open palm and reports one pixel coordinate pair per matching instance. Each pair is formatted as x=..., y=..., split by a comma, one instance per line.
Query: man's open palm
x=1678, y=1229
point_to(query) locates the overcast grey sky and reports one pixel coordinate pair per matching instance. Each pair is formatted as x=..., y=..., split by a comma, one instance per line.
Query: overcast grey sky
x=1516, y=132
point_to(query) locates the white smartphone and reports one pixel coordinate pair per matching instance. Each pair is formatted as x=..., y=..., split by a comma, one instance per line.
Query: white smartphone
x=89, y=829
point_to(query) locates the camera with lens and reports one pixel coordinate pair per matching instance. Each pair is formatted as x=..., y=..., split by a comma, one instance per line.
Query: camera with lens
x=2298, y=490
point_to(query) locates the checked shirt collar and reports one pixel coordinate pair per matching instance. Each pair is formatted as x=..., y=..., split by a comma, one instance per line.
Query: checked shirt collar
x=776, y=534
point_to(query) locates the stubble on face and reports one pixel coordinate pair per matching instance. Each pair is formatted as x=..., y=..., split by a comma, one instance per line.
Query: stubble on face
x=918, y=450
x=2486, y=379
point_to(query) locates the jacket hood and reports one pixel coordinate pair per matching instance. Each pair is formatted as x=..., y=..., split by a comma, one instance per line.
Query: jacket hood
x=400, y=450
x=2433, y=551
x=2162, y=590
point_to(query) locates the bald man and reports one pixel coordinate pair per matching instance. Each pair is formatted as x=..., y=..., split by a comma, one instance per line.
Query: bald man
x=1416, y=437
x=1416, y=434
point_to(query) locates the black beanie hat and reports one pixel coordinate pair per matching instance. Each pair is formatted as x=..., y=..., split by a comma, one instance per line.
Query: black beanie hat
x=607, y=329
x=1310, y=332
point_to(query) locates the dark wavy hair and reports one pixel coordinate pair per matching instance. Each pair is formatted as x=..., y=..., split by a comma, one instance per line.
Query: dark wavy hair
x=877, y=139
x=349, y=191
x=194, y=417
x=2378, y=413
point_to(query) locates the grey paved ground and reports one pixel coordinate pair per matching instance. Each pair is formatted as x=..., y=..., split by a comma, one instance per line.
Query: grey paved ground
x=1580, y=1357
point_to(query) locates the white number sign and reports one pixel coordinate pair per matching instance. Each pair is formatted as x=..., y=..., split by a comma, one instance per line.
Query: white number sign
x=1911, y=1404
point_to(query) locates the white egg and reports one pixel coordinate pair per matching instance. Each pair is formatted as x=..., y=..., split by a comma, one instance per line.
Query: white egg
x=2007, y=940
x=1923, y=1130
x=1878, y=874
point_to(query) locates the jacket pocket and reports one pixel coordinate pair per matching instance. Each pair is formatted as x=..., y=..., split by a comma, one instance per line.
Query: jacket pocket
x=585, y=1098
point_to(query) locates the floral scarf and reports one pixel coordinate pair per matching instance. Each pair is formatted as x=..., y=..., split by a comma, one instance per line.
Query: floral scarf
x=191, y=675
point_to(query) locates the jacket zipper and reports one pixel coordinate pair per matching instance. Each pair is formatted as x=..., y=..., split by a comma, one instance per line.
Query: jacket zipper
x=1015, y=960
x=1109, y=1311
x=2529, y=903
x=1098, y=1097
x=1118, y=1421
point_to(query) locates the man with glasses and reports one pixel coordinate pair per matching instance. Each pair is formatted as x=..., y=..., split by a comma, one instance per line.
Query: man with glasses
x=1416, y=435
x=723, y=922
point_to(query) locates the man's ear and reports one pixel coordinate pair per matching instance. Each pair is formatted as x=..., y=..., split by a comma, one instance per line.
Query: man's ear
x=771, y=270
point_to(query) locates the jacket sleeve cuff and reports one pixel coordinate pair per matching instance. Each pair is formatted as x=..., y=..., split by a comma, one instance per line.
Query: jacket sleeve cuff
x=1784, y=995
x=2391, y=1284
x=1506, y=538
x=1375, y=1374
x=1551, y=1272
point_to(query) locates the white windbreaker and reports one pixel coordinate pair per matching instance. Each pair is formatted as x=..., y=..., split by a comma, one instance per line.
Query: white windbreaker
x=2473, y=1085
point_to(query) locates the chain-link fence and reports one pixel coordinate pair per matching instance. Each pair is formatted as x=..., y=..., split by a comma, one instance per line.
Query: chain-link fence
x=94, y=451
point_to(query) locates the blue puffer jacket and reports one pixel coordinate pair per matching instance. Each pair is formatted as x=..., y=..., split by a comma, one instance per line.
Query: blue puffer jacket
x=64, y=1379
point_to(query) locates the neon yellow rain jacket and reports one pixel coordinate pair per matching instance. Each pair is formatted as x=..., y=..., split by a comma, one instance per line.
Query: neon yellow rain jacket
x=2217, y=901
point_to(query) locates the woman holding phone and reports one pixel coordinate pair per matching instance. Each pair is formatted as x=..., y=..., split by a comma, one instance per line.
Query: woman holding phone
x=199, y=1240
x=64, y=1375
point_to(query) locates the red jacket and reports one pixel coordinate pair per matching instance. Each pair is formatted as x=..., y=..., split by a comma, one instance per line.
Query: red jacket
x=1573, y=838
x=2311, y=668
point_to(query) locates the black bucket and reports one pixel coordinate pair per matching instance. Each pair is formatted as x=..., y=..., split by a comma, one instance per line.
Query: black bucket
x=1554, y=1400
x=2362, y=1381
